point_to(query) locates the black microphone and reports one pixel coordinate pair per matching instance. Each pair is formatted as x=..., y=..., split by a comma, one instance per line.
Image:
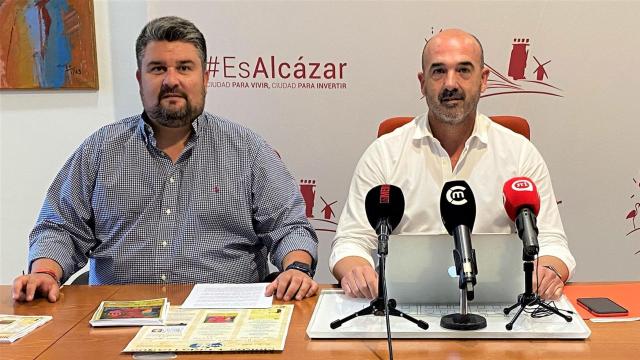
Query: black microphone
x=384, y=205
x=458, y=211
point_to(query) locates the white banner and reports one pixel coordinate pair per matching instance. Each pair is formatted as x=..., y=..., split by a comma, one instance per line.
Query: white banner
x=316, y=78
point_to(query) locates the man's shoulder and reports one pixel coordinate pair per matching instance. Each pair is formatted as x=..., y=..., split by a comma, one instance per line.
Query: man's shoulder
x=496, y=129
x=399, y=137
x=503, y=139
x=119, y=132
x=223, y=128
x=117, y=129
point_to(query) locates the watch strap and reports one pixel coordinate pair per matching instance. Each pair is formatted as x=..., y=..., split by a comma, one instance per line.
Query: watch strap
x=300, y=266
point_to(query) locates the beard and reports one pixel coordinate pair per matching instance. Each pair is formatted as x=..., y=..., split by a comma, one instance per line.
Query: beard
x=456, y=114
x=175, y=117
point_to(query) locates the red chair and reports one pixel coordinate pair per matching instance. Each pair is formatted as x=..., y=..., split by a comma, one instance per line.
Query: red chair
x=514, y=123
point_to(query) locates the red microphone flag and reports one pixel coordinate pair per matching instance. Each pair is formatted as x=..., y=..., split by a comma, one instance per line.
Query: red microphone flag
x=519, y=192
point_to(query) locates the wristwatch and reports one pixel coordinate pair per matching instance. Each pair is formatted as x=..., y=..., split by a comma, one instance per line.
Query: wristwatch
x=300, y=266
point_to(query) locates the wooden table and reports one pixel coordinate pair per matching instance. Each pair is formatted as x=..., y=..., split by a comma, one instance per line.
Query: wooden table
x=69, y=335
x=75, y=303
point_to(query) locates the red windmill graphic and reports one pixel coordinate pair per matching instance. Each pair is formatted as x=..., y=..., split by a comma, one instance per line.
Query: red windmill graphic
x=327, y=210
x=514, y=81
x=309, y=194
x=540, y=71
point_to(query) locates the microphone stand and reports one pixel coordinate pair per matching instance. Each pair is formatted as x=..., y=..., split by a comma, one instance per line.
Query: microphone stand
x=463, y=320
x=380, y=306
x=529, y=297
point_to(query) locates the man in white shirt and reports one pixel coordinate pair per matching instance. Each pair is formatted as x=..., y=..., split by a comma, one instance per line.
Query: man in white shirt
x=451, y=142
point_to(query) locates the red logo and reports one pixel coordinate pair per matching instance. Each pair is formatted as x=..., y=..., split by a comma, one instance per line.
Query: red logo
x=520, y=69
x=384, y=194
x=522, y=185
x=327, y=221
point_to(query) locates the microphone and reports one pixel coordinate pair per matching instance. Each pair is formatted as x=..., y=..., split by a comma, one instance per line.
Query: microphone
x=522, y=203
x=458, y=211
x=384, y=205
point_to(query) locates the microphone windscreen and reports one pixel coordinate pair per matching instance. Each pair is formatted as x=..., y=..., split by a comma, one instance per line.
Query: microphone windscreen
x=384, y=201
x=457, y=205
x=520, y=192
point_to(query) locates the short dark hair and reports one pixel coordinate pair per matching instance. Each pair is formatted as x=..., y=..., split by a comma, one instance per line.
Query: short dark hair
x=170, y=28
x=473, y=36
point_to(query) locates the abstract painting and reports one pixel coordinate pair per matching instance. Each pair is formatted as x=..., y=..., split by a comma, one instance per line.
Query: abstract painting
x=47, y=44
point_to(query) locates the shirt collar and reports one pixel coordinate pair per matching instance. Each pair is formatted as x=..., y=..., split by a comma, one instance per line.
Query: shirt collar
x=146, y=131
x=480, y=128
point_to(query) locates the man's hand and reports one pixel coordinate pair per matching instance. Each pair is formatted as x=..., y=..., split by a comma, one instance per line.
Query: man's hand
x=41, y=281
x=27, y=287
x=360, y=282
x=553, y=273
x=549, y=286
x=292, y=283
x=357, y=277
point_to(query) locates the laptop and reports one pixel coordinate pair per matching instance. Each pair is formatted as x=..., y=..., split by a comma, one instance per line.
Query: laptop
x=421, y=270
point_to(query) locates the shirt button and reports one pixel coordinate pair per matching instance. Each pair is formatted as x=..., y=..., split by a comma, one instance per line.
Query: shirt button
x=172, y=180
x=168, y=211
x=163, y=277
x=164, y=243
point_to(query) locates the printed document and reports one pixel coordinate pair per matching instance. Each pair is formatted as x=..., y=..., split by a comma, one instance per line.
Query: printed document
x=13, y=327
x=216, y=330
x=228, y=296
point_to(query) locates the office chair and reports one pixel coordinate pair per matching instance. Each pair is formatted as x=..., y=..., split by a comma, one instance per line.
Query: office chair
x=514, y=123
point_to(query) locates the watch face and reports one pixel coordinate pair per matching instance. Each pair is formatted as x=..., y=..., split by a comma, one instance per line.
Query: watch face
x=300, y=266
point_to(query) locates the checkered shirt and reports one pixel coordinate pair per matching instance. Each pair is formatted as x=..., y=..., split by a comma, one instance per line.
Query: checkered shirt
x=213, y=216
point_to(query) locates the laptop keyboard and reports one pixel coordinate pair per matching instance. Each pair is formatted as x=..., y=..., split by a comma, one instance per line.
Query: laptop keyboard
x=494, y=310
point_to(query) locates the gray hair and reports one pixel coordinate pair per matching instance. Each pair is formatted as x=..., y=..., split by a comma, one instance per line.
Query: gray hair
x=171, y=28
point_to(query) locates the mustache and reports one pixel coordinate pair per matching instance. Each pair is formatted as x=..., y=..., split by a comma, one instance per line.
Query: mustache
x=453, y=94
x=166, y=91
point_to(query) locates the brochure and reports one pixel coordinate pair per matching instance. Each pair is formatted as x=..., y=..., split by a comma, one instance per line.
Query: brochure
x=131, y=313
x=216, y=330
x=13, y=327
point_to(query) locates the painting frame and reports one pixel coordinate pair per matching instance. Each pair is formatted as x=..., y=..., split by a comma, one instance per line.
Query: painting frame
x=48, y=45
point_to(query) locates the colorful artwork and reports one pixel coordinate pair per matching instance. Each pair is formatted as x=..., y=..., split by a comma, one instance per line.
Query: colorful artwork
x=47, y=44
x=130, y=312
x=220, y=318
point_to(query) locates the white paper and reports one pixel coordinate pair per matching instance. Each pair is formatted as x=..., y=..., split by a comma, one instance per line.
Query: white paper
x=228, y=296
x=613, y=319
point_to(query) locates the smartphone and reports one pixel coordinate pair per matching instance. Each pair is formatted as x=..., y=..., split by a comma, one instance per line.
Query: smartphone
x=602, y=307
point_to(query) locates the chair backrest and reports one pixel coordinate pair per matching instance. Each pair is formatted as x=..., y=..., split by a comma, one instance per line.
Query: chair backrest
x=514, y=123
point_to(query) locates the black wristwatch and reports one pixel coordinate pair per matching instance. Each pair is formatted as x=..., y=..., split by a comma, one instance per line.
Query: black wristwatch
x=300, y=266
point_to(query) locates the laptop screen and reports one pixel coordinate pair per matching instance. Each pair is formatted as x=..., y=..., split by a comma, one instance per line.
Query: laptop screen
x=421, y=270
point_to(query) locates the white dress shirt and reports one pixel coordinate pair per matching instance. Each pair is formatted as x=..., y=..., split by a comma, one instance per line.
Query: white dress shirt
x=413, y=159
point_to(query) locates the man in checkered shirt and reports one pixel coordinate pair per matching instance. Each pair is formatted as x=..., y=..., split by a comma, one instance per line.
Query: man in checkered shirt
x=174, y=195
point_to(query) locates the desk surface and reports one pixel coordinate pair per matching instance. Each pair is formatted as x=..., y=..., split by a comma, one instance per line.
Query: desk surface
x=69, y=335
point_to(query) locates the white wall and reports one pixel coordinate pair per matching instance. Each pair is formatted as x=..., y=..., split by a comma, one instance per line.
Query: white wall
x=589, y=136
x=40, y=129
